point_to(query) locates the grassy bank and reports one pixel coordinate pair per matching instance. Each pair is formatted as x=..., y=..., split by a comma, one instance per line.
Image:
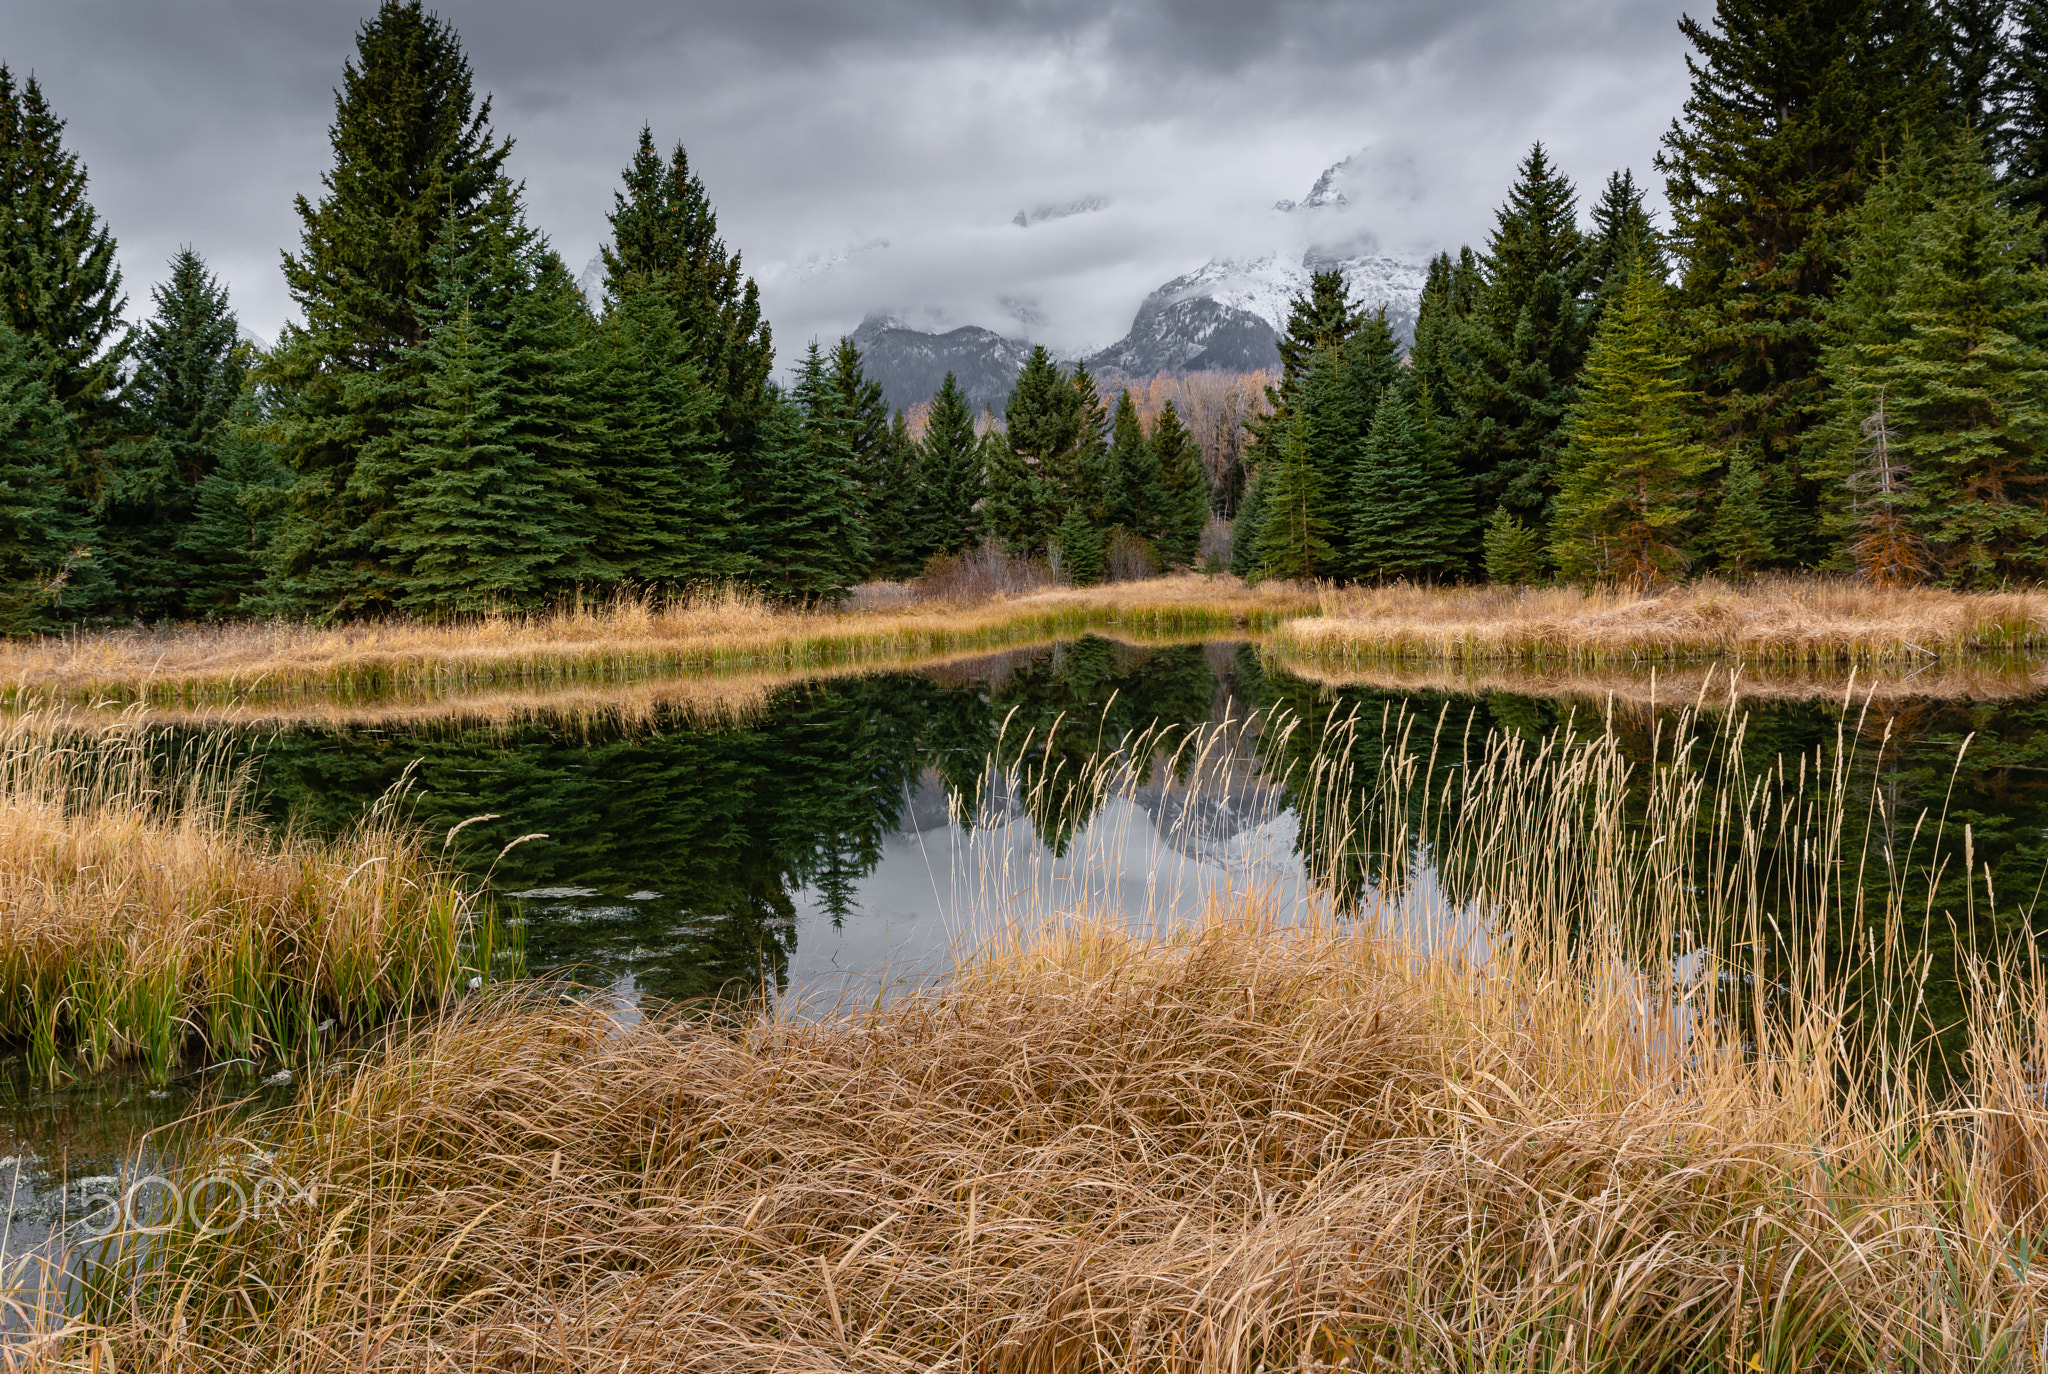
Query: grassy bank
x=1268, y=1142
x=142, y=917
x=616, y=641
x=1808, y=621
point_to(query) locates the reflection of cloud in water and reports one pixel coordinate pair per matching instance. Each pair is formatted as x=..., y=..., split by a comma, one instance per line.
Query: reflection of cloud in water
x=1155, y=855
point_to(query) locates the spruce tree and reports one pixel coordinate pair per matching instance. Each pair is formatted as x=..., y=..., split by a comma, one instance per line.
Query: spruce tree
x=1510, y=370
x=1404, y=510
x=1321, y=321
x=953, y=479
x=874, y=460
x=1183, y=489
x=1448, y=293
x=1044, y=424
x=804, y=516
x=415, y=164
x=39, y=538
x=1135, y=499
x=60, y=286
x=1079, y=541
x=898, y=541
x=1622, y=232
x=1513, y=551
x=1294, y=527
x=1633, y=468
x=665, y=235
x=1967, y=383
x=663, y=511
x=1793, y=105
x=189, y=375
x=223, y=546
x=467, y=527
x=1973, y=52
x=2021, y=139
x=1248, y=530
x=1741, y=533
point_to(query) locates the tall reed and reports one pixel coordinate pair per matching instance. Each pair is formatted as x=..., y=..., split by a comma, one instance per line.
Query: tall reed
x=1577, y=1085
x=145, y=915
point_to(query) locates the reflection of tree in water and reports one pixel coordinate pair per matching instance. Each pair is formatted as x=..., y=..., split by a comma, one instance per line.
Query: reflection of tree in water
x=726, y=824
x=1998, y=787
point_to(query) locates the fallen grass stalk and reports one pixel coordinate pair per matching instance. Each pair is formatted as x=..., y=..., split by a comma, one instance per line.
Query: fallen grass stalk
x=143, y=915
x=1515, y=1131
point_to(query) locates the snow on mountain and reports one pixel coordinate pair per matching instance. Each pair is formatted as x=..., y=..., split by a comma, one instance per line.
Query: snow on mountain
x=591, y=281
x=911, y=363
x=1230, y=314
x=1084, y=206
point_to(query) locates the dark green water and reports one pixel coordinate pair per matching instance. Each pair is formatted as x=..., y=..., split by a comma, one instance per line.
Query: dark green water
x=816, y=847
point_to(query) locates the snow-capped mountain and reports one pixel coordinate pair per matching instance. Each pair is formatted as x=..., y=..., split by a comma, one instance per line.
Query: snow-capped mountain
x=911, y=363
x=1230, y=314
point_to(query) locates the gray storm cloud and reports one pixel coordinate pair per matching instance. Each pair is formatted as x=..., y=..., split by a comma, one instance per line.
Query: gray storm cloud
x=875, y=157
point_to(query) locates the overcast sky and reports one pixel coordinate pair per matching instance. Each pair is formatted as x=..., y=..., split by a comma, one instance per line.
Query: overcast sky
x=872, y=155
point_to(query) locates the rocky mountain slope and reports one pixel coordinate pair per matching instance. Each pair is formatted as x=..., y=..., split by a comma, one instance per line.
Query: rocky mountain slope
x=910, y=363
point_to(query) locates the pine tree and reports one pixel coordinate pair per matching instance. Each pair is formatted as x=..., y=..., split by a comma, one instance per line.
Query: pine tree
x=1183, y=489
x=1248, y=530
x=1741, y=533
x=39, y=541
x=1633, y=467
x=804, y=515
x=60, y=286
x=1510, y=370
x=415, y=165
x=1448, y=294
x=1045, y=424
x=1294, y=529
x=1973, y=51
x=665, y=234
x=954, y=482
x=1136, y=501
x=223, y=546
x=2021, y=139
x=468, y=526
x=1079, y=541
x=663, y=508
x=866, y=415
x=1967, y=385
x=1407, y=518
x=1513, y=551
x=189, y=376
x=897, y=538
x=1320, y=322
x=1622, y=233
x=1793, y=104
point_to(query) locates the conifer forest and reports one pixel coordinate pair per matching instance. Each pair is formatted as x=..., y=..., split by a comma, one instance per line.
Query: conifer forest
x=1832, y=357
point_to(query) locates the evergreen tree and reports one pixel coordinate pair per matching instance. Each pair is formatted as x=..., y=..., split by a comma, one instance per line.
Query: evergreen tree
x=1448, y=294
x=1633, y=468
x=1509, y=371
x=415, y=164
x=2021, y=139
x=1320, y=322
x=951, y=464
x=223, y=546
x=1793, y=104
x=1294, y=528
x=1183, y=489
x=1046, y=424
x=39, y=539
x=468, y=527
x=665, y=234
x=1952, y=356
x=1136, y=500
x=1406, y=518
x=663, y=510
x=896, y=534
x=1513, y=551
x=1622, y=233
x=874, y=460
x=1079, y=541
x=189, y=376
x=1973, y=51
x=1248, y=530
x=804, y=514
x=60, y=286
x=1741, y=536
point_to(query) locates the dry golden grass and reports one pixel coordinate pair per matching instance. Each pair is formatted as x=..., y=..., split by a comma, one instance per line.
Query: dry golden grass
x=142, y=914
x=616, y=641
x=1254, y=1145
x=1808, y=620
